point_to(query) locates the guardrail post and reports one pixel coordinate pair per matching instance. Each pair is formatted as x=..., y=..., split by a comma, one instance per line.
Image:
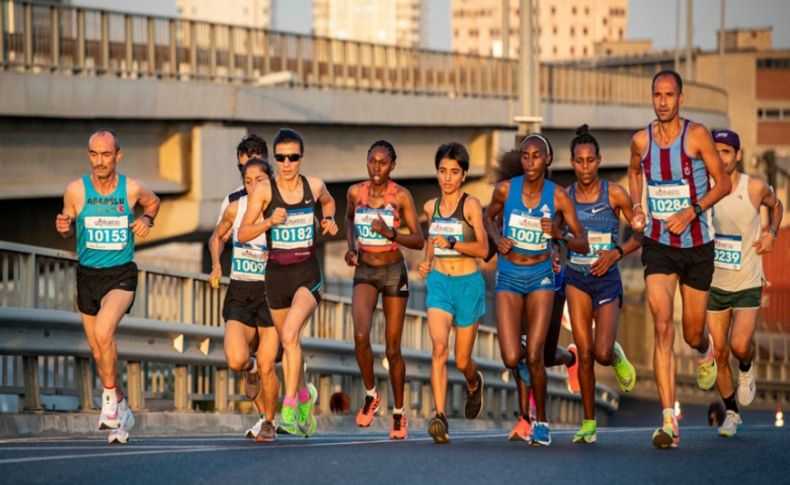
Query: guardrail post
x=79, y=64
x=134, y=385
x=426, y=400
x=181, y=388
x=212, y=51
x=407, y=398
x=324, y=394
x=105, y=41
x=128, y=43
x=82, y=369
x=339, y=321
x=300, y=75
x=54, y=38
x=248, y=33
x=150, y=27
x=27, y=18
x=220, y=389
x=231, y=53
x=173, y=42
x=3, y=55
x=27, y=280
x=384, y=392
x=32, y=395
x=193, y=61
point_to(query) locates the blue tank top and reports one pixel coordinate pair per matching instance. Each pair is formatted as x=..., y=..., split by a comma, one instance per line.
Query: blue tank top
x=602, y=226
x=522, y=224
x=104, y=238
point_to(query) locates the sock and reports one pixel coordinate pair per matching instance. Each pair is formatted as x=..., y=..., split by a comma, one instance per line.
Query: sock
x=254, y=368
x=109, y=391
x=730, y=404
x=668, y=412
x=289, y=401
x=370, y=392
x=303, y=395
x=744, y=367
x=398, y=411
x=572, y=361
x=706, y=354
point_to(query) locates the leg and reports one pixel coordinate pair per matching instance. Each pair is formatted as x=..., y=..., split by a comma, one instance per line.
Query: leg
x=580, y=309
x=464, y=344
x=268, y=346
x=742, y=339
x=719, y=326
x=236, y=344
x=606, y=318
x=113, y=307
x=695, y=304
x=660, y=295
x=509, y=309
x=439, y=324
x=394, y=315
x=291, y=322
x=363, y=304
x=552, y=354
x=538, y=305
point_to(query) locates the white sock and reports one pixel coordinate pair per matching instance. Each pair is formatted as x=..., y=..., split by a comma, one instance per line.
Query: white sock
x=704, y=355
x=398, y=411
x=254, y=368
x=668, y=412
x=370, y=392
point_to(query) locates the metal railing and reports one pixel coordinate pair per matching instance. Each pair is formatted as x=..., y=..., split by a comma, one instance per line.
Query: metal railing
x=45, y=38
x=172, y=345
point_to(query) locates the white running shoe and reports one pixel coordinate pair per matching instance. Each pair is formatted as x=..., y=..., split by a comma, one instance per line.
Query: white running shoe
x=747, y=388
x=109, y=411
x=732, y=424
x=256, y=428
x=125, y=415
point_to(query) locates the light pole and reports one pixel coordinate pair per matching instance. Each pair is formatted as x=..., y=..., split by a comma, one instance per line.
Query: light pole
x=529, y=120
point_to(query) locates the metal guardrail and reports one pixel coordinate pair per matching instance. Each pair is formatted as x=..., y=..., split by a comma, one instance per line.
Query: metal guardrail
x=172, y=345
x=46, y=38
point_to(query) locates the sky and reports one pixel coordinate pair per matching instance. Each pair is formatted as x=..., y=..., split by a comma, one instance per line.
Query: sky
x=647, y=19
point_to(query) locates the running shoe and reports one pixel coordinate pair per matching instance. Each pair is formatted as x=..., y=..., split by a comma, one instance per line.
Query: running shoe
x=118, y=436
x=573, y=371
x=288, y=421
x=668, y=435
x=587, y=433
x=266, y=432
x=305, y=419
x=109, y=418
x=252, y=384
x=521, y=432
x=474, y=400
x=706, y=368
x=523, y=373
x=747, y=388
x=400, y=427
x=623, y=370
x=732, y=424
x=439, y=429
x=368, y=410
x=541, y=436
x=253, y=431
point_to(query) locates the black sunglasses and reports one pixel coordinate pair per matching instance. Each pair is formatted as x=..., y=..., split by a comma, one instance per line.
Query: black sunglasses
x=293, y=157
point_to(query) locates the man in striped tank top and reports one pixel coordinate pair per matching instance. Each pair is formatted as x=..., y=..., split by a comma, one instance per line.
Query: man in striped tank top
x=738, y=276
x=677, y=158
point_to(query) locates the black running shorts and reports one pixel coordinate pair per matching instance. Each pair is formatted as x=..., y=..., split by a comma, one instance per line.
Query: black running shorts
x=245, y=302
x=389, y=280
x=93, y=284
x=694, y=266
x=282, y=281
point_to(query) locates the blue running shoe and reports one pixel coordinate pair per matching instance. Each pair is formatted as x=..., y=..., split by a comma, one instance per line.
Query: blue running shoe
x=541, y=436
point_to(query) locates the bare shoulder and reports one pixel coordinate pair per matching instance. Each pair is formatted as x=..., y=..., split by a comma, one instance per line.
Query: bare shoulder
x=429, y=205
x=502, y=188
x=403, y=194
x=639, y=140
x=757, y=185
x=472, y=203
x=75, y=187
x=698, y=130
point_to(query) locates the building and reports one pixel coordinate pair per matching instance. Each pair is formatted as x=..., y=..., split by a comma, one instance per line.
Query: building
x=567, y=29
x=394, y=22
x=246, y=13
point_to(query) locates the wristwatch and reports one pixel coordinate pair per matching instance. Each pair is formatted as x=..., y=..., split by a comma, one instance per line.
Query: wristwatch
x=452, y=240
x=697, y=209
x=619, y=250
x=150, y=220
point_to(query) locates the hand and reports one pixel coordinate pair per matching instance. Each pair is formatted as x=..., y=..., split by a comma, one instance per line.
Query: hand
x=606, y=259
x=214, y=276
x=352, y=257
x=381, y=228
x=328, y=226
x=678, y=221
x=555, y=260
x=279, y=216
x=141, y=226
x=638, y=220
x=764, y=243
x=63, y=224
x=424, y=268
x=549, y=229
x=440, y=242
x=504, y=245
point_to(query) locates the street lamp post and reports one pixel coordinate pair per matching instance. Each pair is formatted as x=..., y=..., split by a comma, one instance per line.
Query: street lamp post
x=529, y=119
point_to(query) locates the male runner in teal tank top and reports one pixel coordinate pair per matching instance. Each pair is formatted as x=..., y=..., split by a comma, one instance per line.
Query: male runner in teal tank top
x=100, y=207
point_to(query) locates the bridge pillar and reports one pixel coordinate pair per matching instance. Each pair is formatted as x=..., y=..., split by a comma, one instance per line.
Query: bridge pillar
x=32, y=396
x=221, y=390
x=426, y=399
x=324, y=393
x=134, y=385
x=181, y=388
x=82, y=371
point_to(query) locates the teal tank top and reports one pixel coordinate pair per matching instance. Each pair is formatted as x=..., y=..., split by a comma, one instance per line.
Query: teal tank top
x=104, y=238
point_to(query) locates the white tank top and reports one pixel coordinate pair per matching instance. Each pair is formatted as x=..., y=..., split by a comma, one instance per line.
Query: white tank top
x=737, y=224
x=248, y=262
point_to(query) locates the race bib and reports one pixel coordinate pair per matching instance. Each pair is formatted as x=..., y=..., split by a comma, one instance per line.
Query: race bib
x=296, y=232
x=249, y=262
x=525, y=231
x=667, y=198
x=107, y=233
x=446, y=226
x=728, y=252
x=599, y=241
x=363, y=219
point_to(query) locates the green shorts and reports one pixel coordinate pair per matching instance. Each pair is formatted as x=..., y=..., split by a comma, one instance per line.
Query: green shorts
x=720, y=300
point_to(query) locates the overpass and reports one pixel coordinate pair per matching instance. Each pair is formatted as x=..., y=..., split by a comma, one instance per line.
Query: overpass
x=181, y=93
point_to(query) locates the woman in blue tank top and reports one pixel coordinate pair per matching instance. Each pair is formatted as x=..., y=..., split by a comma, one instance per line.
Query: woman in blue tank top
x=593, y=284
x=520, y=222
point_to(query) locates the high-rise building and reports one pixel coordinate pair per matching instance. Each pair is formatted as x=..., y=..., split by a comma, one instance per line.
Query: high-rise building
x=394, y=22
x=246, y=13
x=566, y=29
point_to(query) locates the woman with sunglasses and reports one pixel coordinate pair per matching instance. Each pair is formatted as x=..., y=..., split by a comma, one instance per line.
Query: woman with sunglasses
x=294, y=284
x=375, y=210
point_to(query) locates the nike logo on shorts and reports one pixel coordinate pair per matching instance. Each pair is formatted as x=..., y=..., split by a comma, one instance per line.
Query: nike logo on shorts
x=605, y=301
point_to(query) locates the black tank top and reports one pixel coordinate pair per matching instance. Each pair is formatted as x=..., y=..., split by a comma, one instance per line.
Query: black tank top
x=293, y=241
x=456, y=225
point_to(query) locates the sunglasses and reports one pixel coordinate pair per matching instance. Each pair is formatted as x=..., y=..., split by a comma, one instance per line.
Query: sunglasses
x=293, y=157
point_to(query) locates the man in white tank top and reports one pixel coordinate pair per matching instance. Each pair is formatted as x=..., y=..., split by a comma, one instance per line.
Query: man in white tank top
x=738, y=275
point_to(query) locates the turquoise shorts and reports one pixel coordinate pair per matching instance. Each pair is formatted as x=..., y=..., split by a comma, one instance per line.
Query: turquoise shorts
x=464, y=297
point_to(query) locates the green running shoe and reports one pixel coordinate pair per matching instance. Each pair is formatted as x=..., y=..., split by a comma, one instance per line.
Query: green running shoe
x=304, y=417
x=706, y=369
x=288, y=421
x=623, y=370
x=587, y=433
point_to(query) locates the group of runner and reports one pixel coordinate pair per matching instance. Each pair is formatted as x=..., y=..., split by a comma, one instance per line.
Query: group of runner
x=530, y=224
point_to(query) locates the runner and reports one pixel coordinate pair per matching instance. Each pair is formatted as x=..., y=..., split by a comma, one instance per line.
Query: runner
x=248, y=322
x=738, y=275
x=456, y=290
x=594, y=287
x=677, y=157
x=294, y=284
x=101, y=204
x=525, y=277
x=374, y=213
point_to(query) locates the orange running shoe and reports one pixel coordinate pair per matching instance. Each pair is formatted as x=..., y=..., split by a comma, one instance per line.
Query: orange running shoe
x=573, y=371
x=522, y=431
x=400, y=428
x=369, y=408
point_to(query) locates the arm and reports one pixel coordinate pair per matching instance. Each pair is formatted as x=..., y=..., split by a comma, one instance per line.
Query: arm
x=328, y=224
x=765, y=243
x=473, y=212
x=257, y=201
x=425, y=267
x=150, y=204
x=351, y=236
x=216, y=242
x=64, y=222
x=635, y=182
x=415, y=239
x=564, y=204
x=621, y=202
x=494, y=211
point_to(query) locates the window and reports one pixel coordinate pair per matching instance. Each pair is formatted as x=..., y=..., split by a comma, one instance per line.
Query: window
x=584, y=31
x=573, y=10
x=605, y=21
x=455, y=33
x=573, y=51
x=554, y=30
x=554, y=50
x=774, y=63
x=553, y=10
x=494, y=32
x=586, y=10
x=573, y=31
x=584, y=50
x=620, y=32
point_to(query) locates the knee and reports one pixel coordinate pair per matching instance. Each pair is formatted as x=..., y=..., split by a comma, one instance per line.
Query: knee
x=462, y=364
x=362, y=339
x=393, y=353
x=440, y=352
x=104, y=340
x=266, y=367
x=694, y=338
x=585, y=358
x=237, y=363
x=740, y=348
x=721, y=354
x=511, y=359
x=534, y=357
x=665, y=334
x=290, y=339
x=604, y=356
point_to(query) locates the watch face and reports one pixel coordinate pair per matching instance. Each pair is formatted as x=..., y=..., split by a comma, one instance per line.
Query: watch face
x=451, y=240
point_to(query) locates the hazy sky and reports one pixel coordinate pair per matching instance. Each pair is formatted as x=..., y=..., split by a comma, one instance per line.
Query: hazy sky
x=647, y=19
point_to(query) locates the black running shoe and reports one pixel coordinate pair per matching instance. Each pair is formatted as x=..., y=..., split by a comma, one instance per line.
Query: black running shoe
x=438, y=429
x=474, y=399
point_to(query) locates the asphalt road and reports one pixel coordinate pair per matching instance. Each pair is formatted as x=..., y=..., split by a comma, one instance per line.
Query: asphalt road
x=759, y=454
